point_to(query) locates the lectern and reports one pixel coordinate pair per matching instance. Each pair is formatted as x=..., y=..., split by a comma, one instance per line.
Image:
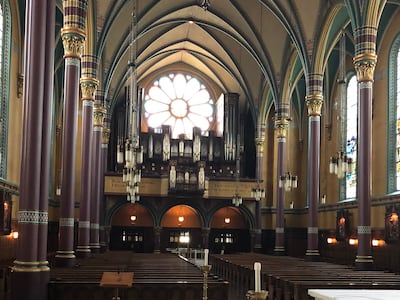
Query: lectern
x=116, y=280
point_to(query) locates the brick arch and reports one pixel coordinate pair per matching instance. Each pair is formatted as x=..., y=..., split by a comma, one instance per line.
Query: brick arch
x=122, y=216
x=191, y=218
x=236, y=218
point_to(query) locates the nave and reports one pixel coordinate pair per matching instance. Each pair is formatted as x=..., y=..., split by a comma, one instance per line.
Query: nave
x=169, y=276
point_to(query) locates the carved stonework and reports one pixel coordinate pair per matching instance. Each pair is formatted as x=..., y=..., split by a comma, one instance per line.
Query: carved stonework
x=73, y=42
x=365, y=66
x=20, y=85
x=99, y=113
x=314, y=104
x=281, y=127
x=88, y=88
x=105, y=136
x=260, y=145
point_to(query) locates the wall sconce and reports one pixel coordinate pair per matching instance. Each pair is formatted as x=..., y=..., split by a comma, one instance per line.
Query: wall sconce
x=15, y=235
x=331, y=240
x=353, y=242
x=227, y=220
x=133, y=218
x=323, y=199
x=378, y=243
x=291, y=204
x=181, y=219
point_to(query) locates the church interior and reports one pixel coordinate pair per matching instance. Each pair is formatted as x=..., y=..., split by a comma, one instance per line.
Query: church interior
x=140, y=137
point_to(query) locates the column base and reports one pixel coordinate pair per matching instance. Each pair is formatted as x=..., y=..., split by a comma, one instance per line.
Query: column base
x=312, y=255
x=83, y=252
x=279, y=250
x=257, y=248
x=29, y=283
x=95, y=248
x=364, y=263
x=103, y=247
x=65, y=259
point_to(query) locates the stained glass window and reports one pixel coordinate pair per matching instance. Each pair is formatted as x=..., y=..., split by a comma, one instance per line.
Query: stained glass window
x=5, y=33
x=398, y=122
x=351, y=136
x=182, y=102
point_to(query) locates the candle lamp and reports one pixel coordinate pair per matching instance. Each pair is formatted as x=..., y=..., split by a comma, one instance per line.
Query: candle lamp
x=253, y=295
x=257, y=293
x=205, y=270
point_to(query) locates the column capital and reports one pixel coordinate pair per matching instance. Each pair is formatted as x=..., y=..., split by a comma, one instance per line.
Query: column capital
x=281, y=127
x=365, y=66
x=99, y=113
x=73, y=41
x=88, y=88
x=314, y=104
x=105, y=137
x=259, y=144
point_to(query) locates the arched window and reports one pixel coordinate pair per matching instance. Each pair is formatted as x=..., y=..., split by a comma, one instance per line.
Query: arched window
x=5, y=34
x=351, y=136
x=393, y=154
x=180, y=101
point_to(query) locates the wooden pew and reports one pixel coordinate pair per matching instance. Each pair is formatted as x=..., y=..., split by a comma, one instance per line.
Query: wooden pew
x=289, y=278
x=156, y=276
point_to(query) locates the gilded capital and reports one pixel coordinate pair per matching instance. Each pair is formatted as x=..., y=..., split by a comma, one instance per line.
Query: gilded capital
x=365, y=66
x=260, y=144
x=105, y=136
x=99, y=112
x=281, y=127
x=20, y=85
x=314, y=104
x=88, y=88
x=73, y=42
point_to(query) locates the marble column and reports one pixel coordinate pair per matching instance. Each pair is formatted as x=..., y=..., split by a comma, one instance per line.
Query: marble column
x=259, y=170
x=157, y=239
x=46, y=145
x=364, y=63
x=99, y=114
x=205, y=234
x=281, y=129
x=105, y=138
x=73, y=37
x=89, y=85
x=314, y=101
x=29, y=275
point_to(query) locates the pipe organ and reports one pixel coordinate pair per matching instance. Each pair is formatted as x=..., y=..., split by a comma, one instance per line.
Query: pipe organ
x=189, y=162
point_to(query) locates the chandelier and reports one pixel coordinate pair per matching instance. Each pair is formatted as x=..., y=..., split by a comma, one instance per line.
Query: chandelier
x=237, y=199
x=130, y=153
x=341, y=163
x=288, y=181
x=258, y=193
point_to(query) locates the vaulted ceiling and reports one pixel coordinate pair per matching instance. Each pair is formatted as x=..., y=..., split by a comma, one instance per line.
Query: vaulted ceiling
x=259, y=49
x=246, y=47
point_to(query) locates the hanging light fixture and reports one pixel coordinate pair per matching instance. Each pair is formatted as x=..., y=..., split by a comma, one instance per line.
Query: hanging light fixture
x=341, y=163
x=132, y=151
x=258, y=193
x=237, y=199
x=288, y=181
